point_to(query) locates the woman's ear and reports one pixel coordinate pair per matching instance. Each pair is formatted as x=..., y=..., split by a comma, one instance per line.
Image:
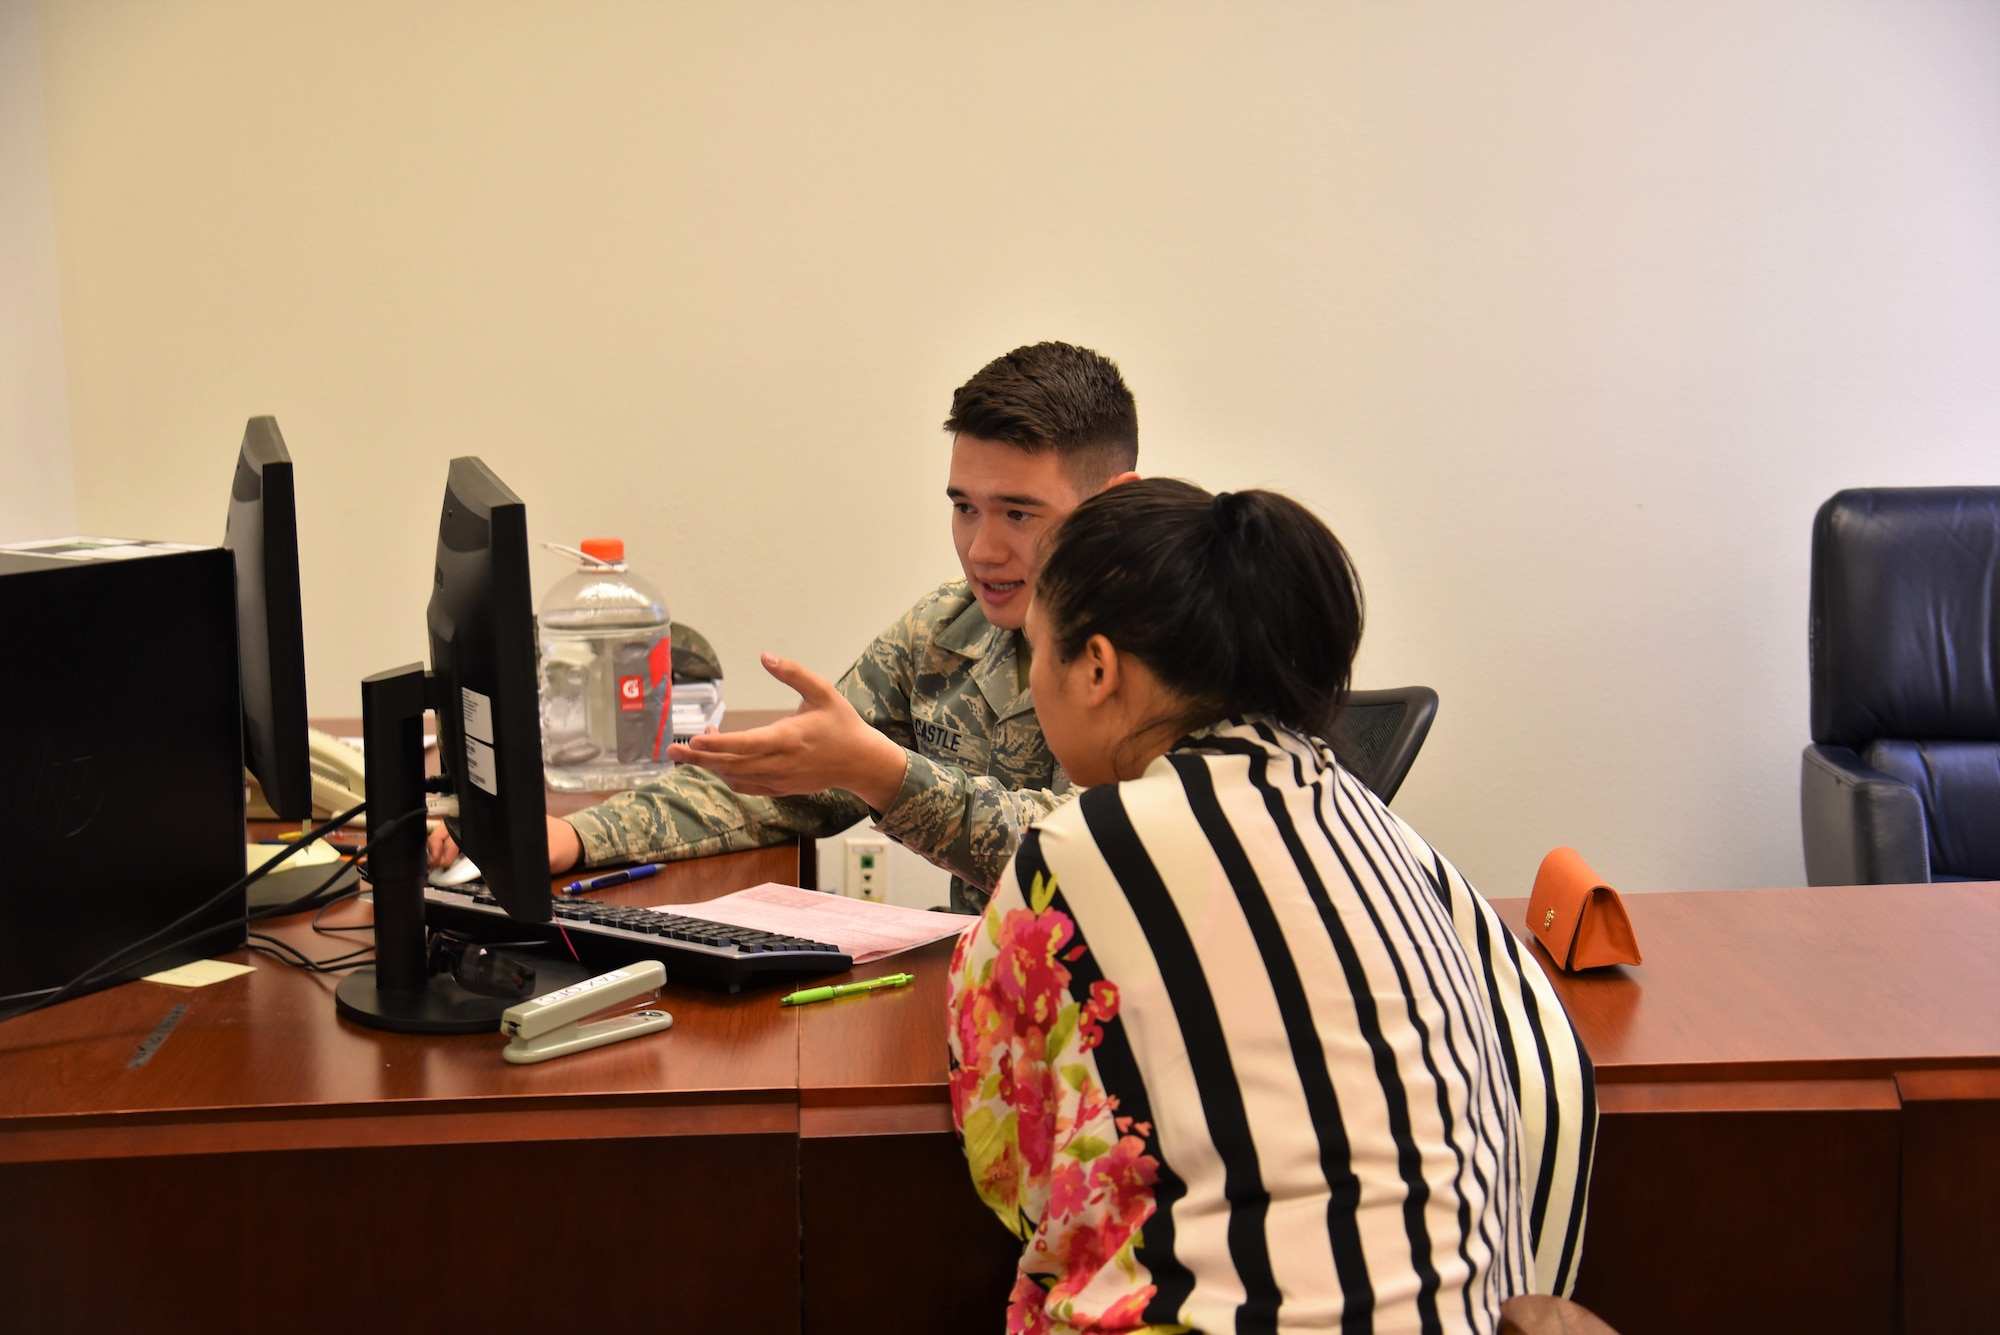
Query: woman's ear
x=1103, y=673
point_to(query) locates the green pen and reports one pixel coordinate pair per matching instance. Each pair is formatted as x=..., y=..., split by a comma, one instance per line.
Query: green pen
x=813, y=994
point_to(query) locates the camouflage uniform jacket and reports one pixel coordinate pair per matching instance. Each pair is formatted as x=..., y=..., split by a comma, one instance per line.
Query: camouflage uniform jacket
x=943, y=683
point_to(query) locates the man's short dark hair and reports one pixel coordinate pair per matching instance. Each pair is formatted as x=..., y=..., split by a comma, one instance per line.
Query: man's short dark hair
x=1053, y=397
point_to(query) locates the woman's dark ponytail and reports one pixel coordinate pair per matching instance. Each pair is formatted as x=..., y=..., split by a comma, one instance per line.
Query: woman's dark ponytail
x=1242, y=602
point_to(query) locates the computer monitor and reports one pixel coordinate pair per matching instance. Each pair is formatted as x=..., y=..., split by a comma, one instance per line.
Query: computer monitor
x=263, y=537
x=482, y=637
x=484, y=689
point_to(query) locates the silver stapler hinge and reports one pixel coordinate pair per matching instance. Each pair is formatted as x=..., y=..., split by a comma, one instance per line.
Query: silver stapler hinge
x=549, y=1025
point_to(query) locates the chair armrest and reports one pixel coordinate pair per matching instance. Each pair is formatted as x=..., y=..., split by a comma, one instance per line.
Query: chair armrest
x=1862, y=826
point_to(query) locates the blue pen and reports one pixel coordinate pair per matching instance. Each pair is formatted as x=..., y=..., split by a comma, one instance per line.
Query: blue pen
x=638, y=873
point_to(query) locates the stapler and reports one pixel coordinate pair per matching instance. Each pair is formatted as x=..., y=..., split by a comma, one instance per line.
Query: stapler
x=550, y=1026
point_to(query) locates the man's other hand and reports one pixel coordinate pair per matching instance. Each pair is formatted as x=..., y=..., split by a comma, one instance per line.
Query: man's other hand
x=565, y=849
x=824, y=745
x=440, y=847
x=564, y=846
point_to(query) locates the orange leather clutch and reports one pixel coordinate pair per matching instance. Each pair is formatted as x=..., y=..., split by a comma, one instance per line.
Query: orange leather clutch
x=1578, y=919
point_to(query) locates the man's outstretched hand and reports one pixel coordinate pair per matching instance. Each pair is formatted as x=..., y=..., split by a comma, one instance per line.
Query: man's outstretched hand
x=824, y=745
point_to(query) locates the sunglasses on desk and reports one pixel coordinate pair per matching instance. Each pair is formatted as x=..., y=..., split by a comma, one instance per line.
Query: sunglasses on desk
x=481, y=967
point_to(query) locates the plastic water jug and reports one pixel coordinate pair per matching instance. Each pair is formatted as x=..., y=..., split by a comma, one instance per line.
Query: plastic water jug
x=607, y=674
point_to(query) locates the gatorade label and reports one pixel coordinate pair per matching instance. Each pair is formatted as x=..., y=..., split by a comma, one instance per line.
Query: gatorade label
x=644, y=670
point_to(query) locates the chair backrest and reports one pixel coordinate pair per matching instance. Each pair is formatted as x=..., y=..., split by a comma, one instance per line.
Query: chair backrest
x=1378, y=734
x=1905, y=646
x=1905, y=623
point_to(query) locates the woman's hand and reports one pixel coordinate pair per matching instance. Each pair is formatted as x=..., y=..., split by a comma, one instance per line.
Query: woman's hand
x=1539, y=1314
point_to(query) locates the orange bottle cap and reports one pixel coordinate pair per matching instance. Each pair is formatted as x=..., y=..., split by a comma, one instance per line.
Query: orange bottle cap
x=604, y=549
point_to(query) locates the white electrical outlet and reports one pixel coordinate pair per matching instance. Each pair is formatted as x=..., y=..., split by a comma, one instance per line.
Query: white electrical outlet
x=867, y=870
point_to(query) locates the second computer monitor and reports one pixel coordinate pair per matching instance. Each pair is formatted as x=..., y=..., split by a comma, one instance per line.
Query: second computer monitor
x=263, y=536
x=482, y=633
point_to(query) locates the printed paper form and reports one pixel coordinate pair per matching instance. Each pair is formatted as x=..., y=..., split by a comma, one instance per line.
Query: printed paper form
x=862, y=929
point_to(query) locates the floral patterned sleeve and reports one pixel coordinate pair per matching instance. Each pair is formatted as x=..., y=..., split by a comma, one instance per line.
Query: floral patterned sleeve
x=1048, y=1151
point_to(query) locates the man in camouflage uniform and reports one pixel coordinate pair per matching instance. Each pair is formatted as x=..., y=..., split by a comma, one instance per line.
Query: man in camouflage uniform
x=932, y=731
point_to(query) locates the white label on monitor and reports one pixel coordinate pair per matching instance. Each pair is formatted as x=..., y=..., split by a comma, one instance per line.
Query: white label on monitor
x=480, y=766
x=478, y=712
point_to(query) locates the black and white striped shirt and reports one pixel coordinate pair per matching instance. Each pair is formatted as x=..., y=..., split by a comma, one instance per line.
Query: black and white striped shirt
x=1350, y=1100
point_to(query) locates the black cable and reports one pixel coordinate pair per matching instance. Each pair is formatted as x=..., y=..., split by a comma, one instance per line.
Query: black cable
x=271, y=945
x=335, y=902
x=119, y=959
x=304, y=964
x=334, y=963
x=300, y=951
x=296, y=961
x=311, y=897
x=51, y=995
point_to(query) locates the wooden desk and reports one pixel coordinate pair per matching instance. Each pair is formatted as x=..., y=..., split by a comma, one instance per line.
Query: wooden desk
x=1800, y=1095
x=1800, y=1130
x=272, y=1167
x=888, y=1209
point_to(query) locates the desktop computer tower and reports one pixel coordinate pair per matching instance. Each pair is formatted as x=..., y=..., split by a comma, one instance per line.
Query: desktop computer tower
x=121, y=760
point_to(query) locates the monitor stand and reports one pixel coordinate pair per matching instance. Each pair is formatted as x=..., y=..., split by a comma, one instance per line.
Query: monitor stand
x=399, y=993
x=441, y=1006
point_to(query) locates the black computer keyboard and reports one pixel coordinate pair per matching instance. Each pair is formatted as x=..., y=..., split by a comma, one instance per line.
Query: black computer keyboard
x=694, y=950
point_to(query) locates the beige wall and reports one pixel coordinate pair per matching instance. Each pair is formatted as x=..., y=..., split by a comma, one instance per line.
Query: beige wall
x=37, y=497
x=1565, y=315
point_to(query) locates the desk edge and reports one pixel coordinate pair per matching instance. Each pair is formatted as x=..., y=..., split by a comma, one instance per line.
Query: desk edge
x=46, y=1142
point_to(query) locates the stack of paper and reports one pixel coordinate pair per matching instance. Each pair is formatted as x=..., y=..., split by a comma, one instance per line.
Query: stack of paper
x=862, y=929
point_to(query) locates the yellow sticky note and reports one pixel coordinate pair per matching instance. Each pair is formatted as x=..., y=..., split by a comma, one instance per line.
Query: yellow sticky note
x=198, y=974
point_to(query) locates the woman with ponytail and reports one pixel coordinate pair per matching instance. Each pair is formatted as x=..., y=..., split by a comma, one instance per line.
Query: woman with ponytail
x=1234, y=1048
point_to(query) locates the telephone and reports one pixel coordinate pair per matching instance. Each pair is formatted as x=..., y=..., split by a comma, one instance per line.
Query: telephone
x=339, y=780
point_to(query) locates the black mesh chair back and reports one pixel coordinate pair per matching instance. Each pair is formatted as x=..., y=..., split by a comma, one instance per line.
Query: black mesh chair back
x=1378, y=734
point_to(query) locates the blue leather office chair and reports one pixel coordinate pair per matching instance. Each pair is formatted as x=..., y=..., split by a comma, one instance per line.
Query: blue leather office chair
x=1902, y=781
x=1378, y=734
